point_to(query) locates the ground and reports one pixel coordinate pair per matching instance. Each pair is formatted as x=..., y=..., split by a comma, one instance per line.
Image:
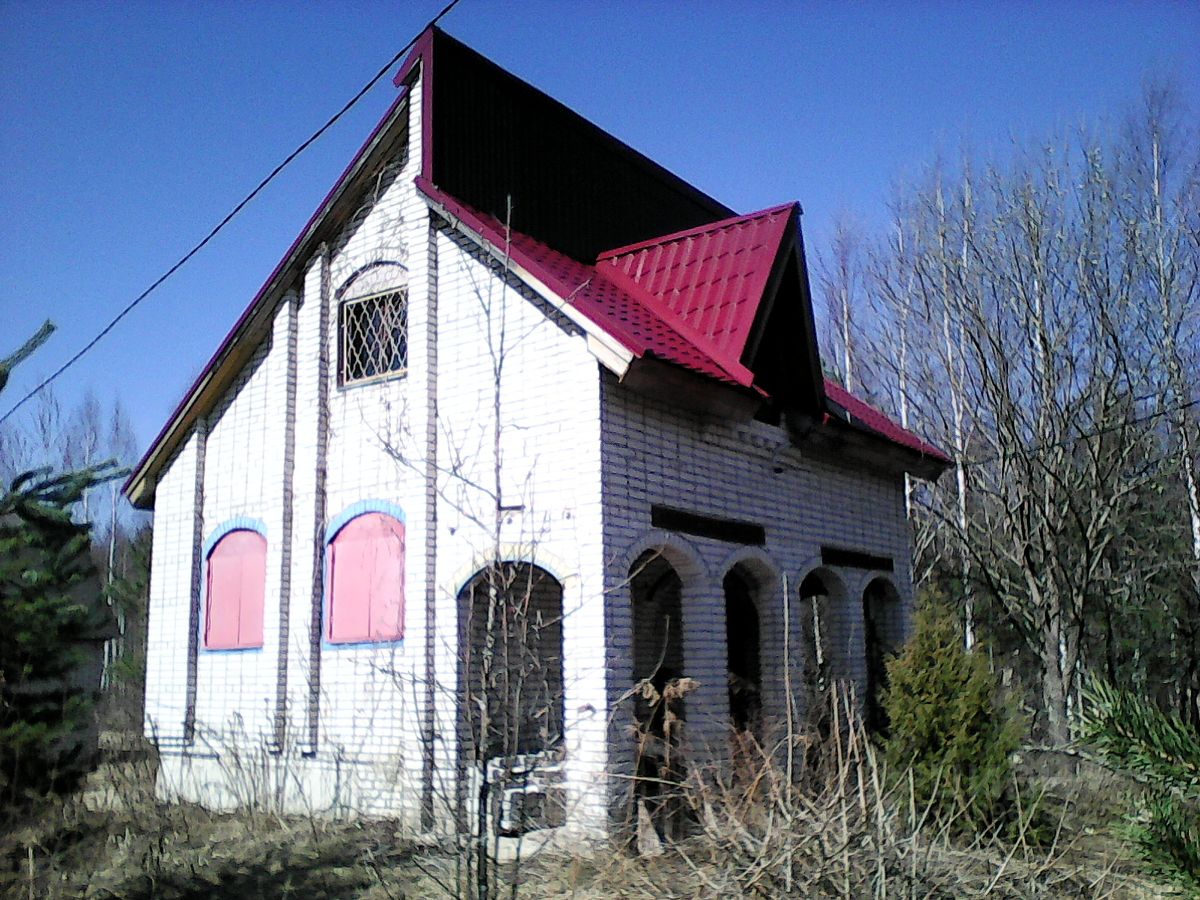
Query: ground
x=113, y=840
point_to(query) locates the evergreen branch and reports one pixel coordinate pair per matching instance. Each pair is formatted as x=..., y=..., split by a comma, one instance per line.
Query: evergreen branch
x=1134, y=734
x=11, y=362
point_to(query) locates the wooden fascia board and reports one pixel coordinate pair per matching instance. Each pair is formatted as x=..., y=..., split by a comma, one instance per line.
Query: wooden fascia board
x=610, y=352
x=239, y=344
x=847, y=442
x=690, y=390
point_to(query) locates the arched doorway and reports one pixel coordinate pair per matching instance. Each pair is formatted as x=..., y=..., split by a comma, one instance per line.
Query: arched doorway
x=744, y=647
x=656, y=596
x=881, y=606
x=511, y=661
x=656, y=593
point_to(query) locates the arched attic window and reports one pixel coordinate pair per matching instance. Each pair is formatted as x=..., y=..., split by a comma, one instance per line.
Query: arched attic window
x=234, y=588
x=366, y=580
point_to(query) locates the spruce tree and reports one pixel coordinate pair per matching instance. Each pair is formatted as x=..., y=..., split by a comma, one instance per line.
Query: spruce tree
x=1162, y=752
x=950, y=727
x=48, y=608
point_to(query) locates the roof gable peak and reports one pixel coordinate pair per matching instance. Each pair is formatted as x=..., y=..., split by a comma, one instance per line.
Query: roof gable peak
x=711, y=281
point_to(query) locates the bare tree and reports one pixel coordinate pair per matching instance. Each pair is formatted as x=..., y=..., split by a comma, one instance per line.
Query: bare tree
x=841, y=277
x=1162, y=212
x=1022, y=296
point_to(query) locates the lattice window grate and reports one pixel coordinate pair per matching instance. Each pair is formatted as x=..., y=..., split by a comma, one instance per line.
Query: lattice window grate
x=374, y=337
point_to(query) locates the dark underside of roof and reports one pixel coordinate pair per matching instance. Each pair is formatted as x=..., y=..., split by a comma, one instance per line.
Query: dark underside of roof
x=572, y=185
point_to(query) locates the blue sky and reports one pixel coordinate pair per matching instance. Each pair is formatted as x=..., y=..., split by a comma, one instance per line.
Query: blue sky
x=128, y=130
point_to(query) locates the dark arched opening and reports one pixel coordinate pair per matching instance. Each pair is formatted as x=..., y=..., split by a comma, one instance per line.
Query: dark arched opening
x=744, y=646
x=880, y=605
x=656, y=596
x=511, y=661
x=815, y=594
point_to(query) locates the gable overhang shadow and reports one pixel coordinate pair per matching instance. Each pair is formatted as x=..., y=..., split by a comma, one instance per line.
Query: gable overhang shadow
x=333, y=213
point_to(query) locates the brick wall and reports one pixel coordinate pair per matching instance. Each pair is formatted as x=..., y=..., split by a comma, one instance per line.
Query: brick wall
x=655, y=454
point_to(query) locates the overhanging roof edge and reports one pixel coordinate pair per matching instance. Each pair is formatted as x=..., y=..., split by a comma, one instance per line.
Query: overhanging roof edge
x=136, y=488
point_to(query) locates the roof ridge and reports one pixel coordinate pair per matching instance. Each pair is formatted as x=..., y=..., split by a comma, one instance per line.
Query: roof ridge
x=696, y=231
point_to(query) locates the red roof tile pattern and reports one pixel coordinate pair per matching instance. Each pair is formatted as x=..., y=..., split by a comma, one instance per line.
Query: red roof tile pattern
x=638, y=328
x=640, y=322
x=710, y=279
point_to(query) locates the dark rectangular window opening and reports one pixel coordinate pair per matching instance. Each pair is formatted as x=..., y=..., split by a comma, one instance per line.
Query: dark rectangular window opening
x=854, y=559
x=728, y=530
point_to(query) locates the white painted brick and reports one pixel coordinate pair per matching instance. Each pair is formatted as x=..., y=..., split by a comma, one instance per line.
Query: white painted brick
x=583, y=460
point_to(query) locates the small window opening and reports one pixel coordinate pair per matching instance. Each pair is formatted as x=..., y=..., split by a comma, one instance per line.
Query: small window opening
x=373, y=335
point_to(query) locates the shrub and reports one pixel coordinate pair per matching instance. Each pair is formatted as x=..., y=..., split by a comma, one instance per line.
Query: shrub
x=49, y=610
x=950, y=728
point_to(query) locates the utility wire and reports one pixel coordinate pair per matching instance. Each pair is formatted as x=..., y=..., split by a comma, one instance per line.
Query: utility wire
x=308, y=142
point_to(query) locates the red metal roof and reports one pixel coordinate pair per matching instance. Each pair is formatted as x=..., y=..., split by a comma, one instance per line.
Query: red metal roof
x=689, y=298
x=639, y=328
x=645, y=324
x=867, y=416
x=710, y=279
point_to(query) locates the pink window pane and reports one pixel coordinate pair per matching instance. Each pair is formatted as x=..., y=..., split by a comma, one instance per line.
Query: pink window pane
x=366, y=562
x=254, y=585
x=237, y=572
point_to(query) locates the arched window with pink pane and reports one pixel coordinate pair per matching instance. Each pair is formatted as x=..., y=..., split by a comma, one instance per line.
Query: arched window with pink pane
x=365, y=571
x=235, y=585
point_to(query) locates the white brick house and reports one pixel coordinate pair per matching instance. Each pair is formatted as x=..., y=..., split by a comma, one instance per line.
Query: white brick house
x=673, y=470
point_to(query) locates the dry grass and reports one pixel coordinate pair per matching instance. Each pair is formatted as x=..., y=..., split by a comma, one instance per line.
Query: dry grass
x=841, y=830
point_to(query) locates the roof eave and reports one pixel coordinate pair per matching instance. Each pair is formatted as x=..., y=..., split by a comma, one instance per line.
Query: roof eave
x=140, y=487
x=608, y=350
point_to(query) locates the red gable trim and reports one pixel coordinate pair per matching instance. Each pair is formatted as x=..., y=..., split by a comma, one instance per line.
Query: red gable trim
x=421, y=56
x=290, y=257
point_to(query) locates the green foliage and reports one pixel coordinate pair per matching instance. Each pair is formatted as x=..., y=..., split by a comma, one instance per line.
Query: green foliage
x=49, y=610
x=48, y=590
x=949, y=725
x=10, y=362
x=1163, y=752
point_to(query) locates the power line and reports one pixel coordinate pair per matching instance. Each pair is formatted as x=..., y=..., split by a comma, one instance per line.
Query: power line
x=309, y=141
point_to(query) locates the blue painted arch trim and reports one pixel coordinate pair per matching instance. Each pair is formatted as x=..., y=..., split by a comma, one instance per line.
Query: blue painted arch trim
x=336, y=524
x=237, y=523
x=362, y=507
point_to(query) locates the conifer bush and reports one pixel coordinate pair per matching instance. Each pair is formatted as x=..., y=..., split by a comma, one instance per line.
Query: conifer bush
x=1163, y=752
x=48, y=594
x=951, y=731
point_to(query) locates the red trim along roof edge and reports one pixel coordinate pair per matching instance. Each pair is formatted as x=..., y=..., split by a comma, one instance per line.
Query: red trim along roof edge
x=252, y=307
x=859, y=412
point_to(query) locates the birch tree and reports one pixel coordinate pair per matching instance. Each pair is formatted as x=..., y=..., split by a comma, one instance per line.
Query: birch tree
x=1045, y=307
